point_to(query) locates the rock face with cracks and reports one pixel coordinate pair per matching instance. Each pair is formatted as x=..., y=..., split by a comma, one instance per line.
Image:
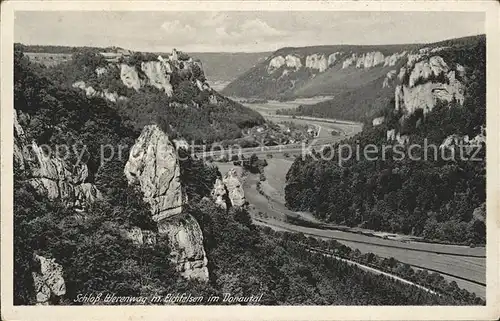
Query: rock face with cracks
x=154, y=166
x=219, y=194
x=55, y=179
x=151, y=72
x=158, y=75
x=233, y=182
x=52, y=177
x=48, y=280
x=429, y=81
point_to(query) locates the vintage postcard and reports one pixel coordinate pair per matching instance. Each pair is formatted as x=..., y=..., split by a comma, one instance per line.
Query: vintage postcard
x=250, y=160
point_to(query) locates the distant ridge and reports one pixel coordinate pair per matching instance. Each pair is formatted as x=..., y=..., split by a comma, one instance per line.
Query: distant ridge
x=360, y=77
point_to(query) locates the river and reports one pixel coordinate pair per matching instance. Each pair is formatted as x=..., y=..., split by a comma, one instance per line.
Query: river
x=464, y=265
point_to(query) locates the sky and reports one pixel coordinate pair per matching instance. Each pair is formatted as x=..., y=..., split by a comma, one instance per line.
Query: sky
x=239, y=31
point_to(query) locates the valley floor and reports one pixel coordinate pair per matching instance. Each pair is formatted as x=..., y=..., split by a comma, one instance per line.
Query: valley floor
x=375, y=271
x=464, y=265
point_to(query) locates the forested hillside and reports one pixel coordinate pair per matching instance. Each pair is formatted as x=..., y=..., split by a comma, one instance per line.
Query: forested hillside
x=361, y=79
x=92, y=246
x=437, y=197
x=191, y=112
x=365, y=102
x=315, y=71
x=227, y=66
x=218, y=66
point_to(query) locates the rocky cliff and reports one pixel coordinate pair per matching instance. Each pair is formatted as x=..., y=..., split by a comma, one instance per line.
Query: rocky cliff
x=142, y=71
x=51, y=176
x=56, y=179
x=320, y=62
x=322, y=70
x=228, y=192
x=234, y=186
x=219, y=194
x=48, y=280
x=362, y=79
x=427, y=81
x=150, y=88
x=159, y=73
x=91, y=92
x=438, y=106
x=154, y=166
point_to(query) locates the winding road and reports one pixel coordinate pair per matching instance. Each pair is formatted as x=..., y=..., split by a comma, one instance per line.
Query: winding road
x=375, y=271
x=464, y=265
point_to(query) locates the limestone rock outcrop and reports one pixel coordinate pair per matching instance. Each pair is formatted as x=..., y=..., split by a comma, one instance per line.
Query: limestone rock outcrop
x=401, y=73
x=349, y=61
x=325, y=70
x=219, y=194
x=52, y=177
x=434, y=66
x=370, y=59
x=158, y=75
x=317, y=62
x=389, y=78
x=320, y=62
x=186, y=244
x=293, y=61
x=378, y=121
x=91, y=92
x=413, y=57
x=275, y=63
x=154, y=166
x=139, y=236
x=233, y=182
x=48, y=280
x=394, y=58
x=429, y=81
x=333, y=58
x=130, y=77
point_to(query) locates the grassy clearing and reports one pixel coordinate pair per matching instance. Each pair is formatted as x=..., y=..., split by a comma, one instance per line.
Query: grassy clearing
x=275, y=172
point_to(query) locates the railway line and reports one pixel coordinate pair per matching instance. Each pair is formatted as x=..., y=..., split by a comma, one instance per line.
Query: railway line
x=464, y=265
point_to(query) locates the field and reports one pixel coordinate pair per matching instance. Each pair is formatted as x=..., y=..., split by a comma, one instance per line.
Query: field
x=48, y=59
x=466, y=266
x=217, y=85
x=467, y=272
x=271, y=106
x=275, y=172
x=227, y=66
x=453, y=262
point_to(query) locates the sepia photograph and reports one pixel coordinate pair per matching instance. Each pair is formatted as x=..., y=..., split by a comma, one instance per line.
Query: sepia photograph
x=226, y=156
